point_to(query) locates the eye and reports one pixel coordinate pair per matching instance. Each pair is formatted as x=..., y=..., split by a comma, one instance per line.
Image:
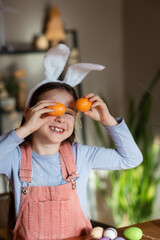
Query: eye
x=70, y=112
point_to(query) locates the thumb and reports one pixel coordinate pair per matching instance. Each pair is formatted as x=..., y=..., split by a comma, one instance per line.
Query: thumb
x=89, y=113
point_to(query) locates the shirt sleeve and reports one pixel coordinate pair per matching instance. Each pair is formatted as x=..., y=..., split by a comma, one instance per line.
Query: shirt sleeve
x=125, y=155
x=9, y=152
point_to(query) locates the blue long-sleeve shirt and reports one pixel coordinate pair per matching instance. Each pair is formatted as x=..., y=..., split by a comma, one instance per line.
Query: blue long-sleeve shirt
x=47, y=169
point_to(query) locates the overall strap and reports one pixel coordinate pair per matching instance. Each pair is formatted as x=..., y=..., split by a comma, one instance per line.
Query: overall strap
x=68, y=164
x=26, y=163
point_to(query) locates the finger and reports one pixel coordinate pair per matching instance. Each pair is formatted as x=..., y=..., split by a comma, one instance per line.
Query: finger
x=47, y=118
x=97, y=104
x=45, y=110
x=40, y=102
x=95, y=98
x=92, y=97
x=41, y=105
x=45, y=103
x=89, y=95
x=41, y=112
x=89, y=113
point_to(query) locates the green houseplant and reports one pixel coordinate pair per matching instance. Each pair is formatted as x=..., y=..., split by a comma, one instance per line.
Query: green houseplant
x=133, y=191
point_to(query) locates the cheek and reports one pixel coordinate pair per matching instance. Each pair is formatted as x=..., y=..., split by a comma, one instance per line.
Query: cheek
x=71, y=125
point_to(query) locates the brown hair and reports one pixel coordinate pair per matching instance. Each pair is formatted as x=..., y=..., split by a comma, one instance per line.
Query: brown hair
x=47, y=87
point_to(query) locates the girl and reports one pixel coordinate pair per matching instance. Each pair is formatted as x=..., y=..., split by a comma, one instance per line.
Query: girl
x=47, y=170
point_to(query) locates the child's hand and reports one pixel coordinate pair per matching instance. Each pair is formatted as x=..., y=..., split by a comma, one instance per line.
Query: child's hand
x=35, y=117
x=99, y=111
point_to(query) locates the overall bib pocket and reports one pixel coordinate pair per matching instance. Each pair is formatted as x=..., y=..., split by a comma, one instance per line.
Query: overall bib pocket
x=49, y=219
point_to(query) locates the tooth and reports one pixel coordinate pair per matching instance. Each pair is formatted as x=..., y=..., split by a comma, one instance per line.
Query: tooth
x=56, y=129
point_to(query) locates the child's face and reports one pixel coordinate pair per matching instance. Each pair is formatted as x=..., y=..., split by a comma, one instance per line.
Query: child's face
x=61, y=127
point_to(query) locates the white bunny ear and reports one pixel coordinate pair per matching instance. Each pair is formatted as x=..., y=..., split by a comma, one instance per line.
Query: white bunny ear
x=54, y=63
x=55, y=60
x=77, y=72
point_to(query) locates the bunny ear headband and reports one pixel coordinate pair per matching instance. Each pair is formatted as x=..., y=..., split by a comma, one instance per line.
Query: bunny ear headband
x=54, y=63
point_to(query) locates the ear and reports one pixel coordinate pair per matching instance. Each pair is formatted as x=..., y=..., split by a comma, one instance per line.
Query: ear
x=77, y=72
x=55, y=60
x=26, y=111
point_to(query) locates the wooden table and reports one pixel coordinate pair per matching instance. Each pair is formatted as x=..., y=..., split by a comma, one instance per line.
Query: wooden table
x=151, y=228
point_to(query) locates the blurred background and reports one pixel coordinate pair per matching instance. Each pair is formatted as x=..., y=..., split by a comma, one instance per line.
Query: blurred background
x=122, y=35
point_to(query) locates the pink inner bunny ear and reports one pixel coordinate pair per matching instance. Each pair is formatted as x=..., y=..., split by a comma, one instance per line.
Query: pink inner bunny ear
x=77, y=72
x=55, y=60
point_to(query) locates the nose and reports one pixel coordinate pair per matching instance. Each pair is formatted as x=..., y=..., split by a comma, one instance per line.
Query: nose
x=60, y=119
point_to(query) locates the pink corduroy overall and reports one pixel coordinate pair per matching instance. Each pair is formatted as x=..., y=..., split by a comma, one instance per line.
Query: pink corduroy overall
x=50, y=212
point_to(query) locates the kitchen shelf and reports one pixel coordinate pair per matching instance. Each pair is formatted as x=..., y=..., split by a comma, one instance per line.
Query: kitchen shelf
x=21, y=51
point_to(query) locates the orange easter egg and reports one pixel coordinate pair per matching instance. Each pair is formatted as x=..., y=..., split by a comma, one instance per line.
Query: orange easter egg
x=59, y=109
x=83, y=104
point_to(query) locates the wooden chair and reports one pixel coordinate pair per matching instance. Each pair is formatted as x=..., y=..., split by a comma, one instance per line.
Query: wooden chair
x=6, y=215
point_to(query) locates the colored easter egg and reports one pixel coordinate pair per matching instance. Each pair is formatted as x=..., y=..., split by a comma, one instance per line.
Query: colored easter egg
x=110, y=233
x=133, y=233
x=83, y=104
x=59, y=109
x=97, y=233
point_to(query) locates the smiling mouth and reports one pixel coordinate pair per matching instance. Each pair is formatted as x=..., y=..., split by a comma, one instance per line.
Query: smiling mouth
x=56, y=129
